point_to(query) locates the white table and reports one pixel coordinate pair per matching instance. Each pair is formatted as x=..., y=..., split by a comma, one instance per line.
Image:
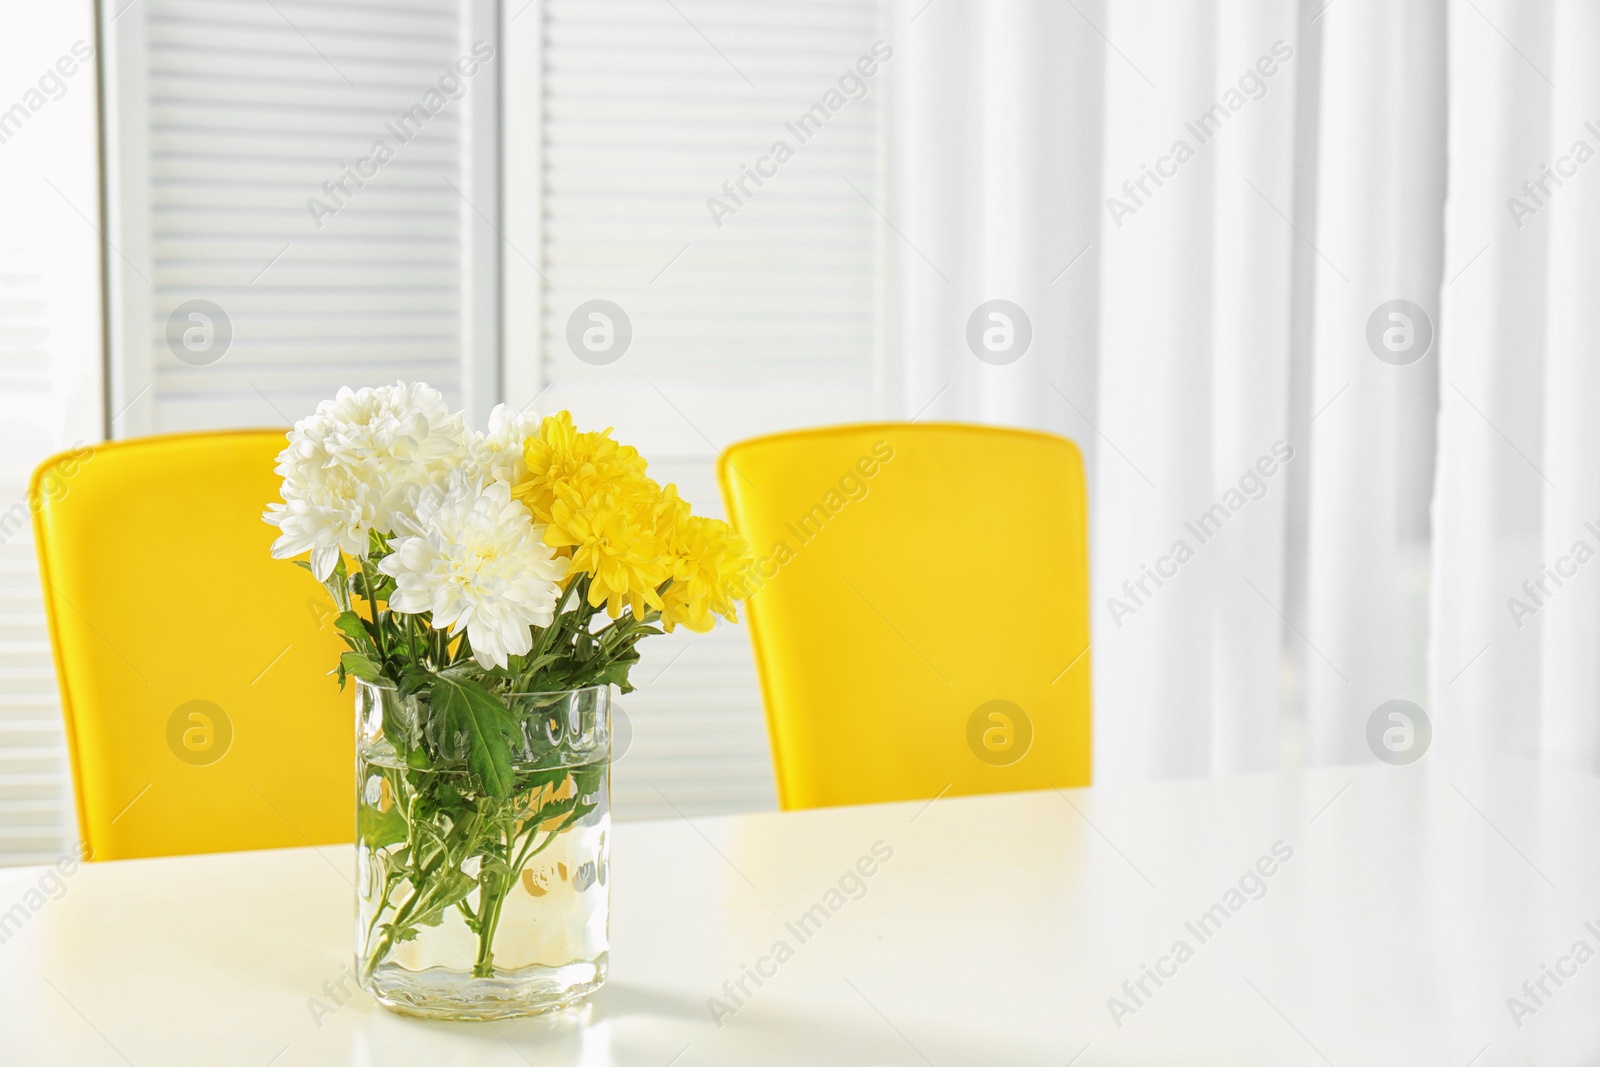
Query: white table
x=1416, y=901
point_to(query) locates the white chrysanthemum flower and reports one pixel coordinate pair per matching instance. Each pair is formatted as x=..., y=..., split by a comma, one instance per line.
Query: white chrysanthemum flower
x=474, y=558
x=497, y=455
x=353, y=466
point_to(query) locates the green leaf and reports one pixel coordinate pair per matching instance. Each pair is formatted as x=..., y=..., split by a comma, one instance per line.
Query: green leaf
x=355, y=634
x=414, y=681
x=522, y=667
x=614, y=673
x=378, y=829
x=471, y=712
x=360, y=666
x=451, y=888
x=554, y=810
x=395, y=864
x=491, y=866
x=586, y=780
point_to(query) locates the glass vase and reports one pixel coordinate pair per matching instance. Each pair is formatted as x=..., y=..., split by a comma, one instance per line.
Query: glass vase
x=471, y=906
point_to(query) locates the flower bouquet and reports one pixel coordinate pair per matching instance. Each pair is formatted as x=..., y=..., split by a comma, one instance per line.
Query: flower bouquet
x=492, y=588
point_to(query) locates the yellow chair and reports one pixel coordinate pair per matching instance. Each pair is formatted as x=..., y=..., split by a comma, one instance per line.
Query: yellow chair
x=921, y=610
x=193, y=667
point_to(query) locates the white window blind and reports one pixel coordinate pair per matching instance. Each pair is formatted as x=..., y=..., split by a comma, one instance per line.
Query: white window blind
x=301, y=197
x=35, y=809
x=752, y=303
x=50, y=381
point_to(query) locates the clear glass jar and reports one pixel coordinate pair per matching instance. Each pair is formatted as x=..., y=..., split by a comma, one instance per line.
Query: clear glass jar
x=470, y=906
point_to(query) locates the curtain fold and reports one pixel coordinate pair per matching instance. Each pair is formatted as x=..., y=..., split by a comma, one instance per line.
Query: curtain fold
x=991, y=199
x=1200, y=209
x=1193, y=390
x=1516, y=605
x=1378, y=239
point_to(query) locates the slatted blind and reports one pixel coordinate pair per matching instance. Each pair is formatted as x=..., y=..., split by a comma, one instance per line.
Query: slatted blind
x=33, y=800
x=297, y=187
x=643, y=111
x=49, y=382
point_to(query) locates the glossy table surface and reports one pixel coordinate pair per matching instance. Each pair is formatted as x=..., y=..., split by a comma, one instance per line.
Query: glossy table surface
x=1432, y=914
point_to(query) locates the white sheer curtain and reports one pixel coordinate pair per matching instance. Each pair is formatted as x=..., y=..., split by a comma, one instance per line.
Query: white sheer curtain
x=1200, y=331
x=1378, y=231
x=1516, y=608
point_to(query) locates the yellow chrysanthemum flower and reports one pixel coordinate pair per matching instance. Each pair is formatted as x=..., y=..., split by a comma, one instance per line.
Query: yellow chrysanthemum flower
x=628, y=534
x=613, y=540
x=710, y=569
x=590, y=463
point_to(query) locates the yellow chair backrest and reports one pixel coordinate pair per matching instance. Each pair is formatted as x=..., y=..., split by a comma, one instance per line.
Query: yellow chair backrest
x=193, y=666
x=921, y=622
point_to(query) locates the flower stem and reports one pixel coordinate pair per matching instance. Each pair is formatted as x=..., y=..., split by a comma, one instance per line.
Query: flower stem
x=372, y=608
x=493, y=890
x=492, y=897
